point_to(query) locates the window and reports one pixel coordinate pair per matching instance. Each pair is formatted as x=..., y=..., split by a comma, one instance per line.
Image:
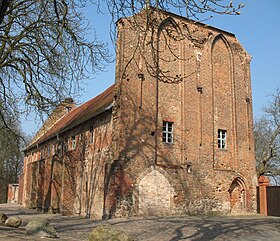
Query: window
x=53, y=149
x=42, y=153
x=73, y=141
x=222, y=138
x=59, y=148
x=167, y=132
x=46, y=151
x=65, y=146
x=91, y=137
x=49, y=150
x=189, y=168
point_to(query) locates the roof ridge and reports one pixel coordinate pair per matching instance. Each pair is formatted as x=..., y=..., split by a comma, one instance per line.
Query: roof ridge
x=97, y=103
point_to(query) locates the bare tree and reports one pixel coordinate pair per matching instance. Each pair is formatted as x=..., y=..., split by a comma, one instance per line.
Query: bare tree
x=189, y=8
x=148, y=27
x=3, y=8
x=267, y=139
x=11, y=156
x=44, y=53
x=193, y=9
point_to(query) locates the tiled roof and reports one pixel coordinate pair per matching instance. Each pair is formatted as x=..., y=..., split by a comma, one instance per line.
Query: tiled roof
x=79, y=115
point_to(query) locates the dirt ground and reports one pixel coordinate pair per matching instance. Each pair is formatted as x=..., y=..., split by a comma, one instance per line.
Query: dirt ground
x=173, y=228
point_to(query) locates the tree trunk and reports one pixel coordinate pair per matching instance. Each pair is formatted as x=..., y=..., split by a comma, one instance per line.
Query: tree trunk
x=3, y=8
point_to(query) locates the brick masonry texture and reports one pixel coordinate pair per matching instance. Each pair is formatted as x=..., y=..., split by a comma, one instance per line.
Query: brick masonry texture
x=115, y=163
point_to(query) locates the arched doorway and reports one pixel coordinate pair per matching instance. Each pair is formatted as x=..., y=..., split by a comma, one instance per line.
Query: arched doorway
x=154, y=194
x=237, y=192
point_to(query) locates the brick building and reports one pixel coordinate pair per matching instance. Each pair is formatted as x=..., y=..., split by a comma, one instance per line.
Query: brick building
x=13, y=193
x=172, y=135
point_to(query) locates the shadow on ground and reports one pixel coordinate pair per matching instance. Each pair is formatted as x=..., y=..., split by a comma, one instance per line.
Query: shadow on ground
x=241, y=228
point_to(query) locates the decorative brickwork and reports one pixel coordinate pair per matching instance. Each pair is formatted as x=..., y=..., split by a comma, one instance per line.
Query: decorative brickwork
x=202, y=86
x=173, y=135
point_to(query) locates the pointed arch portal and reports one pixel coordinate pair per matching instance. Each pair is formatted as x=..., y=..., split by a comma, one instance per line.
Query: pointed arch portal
x=237, y=192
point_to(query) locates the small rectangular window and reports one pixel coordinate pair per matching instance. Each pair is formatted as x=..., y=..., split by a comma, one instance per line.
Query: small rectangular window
x=189, y=168
x=167, y=132
x=222, y=138
x=49, y=150
x=91, y=130
x=53, y=149
x=46, y=151
x=73, y=142
x=42, y=154
x=59, y=148
x=65, y=146
x=62, y=147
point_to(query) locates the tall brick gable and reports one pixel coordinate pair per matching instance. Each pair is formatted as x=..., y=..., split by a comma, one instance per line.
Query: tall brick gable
x=198, y=78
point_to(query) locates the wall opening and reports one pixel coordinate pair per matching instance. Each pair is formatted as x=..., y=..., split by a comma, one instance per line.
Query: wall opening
x=237, y=194
x=154, y=194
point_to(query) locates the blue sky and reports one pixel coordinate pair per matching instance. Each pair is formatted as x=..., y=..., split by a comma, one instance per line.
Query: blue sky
x=257, y=29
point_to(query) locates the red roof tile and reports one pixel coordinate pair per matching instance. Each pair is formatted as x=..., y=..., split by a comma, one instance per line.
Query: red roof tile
x=79, y=115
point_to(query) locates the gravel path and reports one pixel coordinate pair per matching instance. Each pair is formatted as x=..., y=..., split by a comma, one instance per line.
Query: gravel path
x=241, y=228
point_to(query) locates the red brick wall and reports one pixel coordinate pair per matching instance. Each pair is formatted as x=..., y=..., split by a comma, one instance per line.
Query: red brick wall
x=20, y=191
x=72, y=181
x=56, y=184
x=69, y=185
x=40, y=184
x=202, y=85
x=10, y=195
x=27, y=183
x=47, y=184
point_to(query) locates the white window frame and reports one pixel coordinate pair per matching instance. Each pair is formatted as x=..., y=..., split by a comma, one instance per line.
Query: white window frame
x=167, y=132
x=73, y=142
x=222, y=139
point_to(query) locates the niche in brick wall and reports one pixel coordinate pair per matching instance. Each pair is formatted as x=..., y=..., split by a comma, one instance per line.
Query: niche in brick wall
x=154, y=194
